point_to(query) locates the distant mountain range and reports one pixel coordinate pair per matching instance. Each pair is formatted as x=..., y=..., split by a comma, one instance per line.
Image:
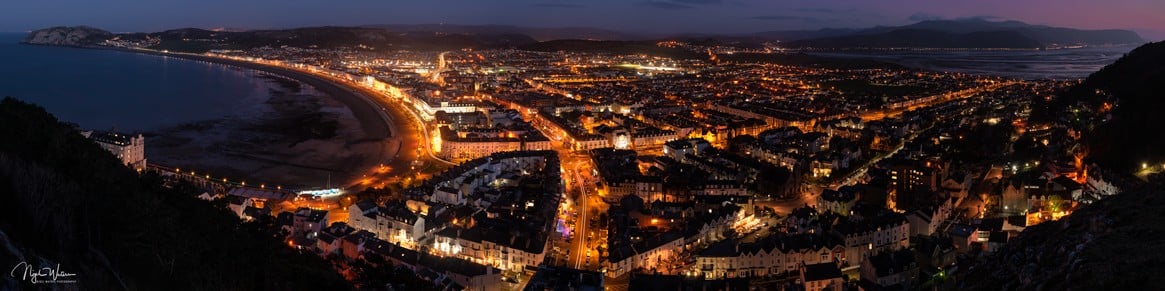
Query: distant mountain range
x=927, y=34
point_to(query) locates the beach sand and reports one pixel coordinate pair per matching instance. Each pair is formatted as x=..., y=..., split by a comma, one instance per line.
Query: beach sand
x=303, y=135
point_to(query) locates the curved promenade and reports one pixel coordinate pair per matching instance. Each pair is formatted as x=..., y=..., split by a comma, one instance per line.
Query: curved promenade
x=379, y=119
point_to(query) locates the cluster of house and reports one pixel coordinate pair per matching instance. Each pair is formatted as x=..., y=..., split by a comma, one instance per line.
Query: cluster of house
x=906, y=198
x=1046, y=195
x=586, y=125
x=309, y=230
x=657, y=237
x=817, y=153
x=465, y=228
x=587, y=130
x=471, y=135
x=688, y=168
x=342, y=240
x=816, y=239
x=496, y=211
x=661, y=178
x=715, y=126
x=665, y=227
x=775, y=115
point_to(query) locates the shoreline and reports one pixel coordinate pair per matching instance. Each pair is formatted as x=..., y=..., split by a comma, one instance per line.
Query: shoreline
x=351, y=98
x=374, y=119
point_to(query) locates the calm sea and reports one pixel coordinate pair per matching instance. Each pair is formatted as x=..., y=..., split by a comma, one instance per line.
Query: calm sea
x=132, y=92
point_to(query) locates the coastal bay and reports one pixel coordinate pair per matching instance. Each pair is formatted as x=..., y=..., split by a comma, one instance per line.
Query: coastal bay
x=224, y=120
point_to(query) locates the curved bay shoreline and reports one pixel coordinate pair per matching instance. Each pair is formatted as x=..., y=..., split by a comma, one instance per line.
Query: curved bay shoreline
x=377, y=125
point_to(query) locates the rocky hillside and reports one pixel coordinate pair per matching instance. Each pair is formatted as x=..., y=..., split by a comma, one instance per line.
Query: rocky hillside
x=68, y=36
x=1114, y=244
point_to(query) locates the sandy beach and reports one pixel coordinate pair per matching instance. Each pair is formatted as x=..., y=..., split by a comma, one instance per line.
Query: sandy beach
x=309, y=133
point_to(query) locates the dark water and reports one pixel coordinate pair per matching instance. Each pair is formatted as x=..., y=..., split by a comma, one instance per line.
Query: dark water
x=1049, y=64
x=132, y=92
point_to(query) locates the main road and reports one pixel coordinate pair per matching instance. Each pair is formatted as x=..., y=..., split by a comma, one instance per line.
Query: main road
x=584, y=254
x=578, y=174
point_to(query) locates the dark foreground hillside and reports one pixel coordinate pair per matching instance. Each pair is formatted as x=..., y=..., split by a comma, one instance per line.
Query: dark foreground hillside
x=1114, y=244
x=64, y=200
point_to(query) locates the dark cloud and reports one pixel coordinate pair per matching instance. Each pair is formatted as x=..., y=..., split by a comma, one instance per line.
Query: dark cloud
x=663, y=5
x=558, y=5
x=924, y=17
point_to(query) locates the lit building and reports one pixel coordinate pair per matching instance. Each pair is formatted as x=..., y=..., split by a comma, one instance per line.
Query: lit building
x=908, y=176
x=467, y=136
x=891, y=268
x=821, y=276
x=768, y=257
x=131, y=150
x=838, y=201
x=503, y=225
x=393, y=222
x=888, y=232
x=308, y=223
x=648, y=253
x=557, y=278
x=925, y=220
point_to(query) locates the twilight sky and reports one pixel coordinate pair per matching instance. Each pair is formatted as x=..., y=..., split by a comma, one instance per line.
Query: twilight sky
x=649, y=16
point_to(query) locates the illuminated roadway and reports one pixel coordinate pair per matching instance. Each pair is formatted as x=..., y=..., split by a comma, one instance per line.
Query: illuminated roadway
x=577, y=176
x=578, y=168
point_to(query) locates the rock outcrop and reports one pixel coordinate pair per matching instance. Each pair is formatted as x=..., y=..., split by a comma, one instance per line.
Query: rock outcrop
x=68, y=36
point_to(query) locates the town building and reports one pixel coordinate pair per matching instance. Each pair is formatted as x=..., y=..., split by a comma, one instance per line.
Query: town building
x=821, y=277
x=130, y=149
